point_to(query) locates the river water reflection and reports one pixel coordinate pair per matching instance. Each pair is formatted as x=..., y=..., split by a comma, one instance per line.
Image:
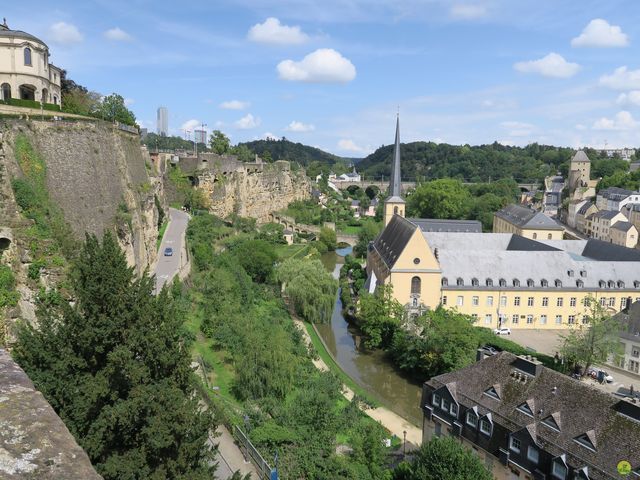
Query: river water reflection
x=371, y=370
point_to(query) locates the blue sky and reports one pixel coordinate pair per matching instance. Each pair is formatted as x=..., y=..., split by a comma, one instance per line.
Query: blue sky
x=333, y=73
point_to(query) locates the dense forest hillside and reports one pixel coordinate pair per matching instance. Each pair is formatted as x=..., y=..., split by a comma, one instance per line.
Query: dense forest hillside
x=283, y=149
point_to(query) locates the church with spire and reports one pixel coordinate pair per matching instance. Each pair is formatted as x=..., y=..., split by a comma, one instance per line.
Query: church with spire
x=500, y=279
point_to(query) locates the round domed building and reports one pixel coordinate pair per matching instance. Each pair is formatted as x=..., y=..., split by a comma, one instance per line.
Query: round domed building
x=25, y=71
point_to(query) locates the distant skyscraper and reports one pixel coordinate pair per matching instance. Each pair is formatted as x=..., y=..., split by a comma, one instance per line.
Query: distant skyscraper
x=163, y=121
x=200, y=136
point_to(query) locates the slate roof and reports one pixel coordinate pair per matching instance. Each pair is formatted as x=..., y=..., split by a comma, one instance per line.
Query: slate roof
x=608, y=252
x=437, y=225
x=616, y=192
x=579, y=407
x=622, y=226
x=630, y=322
x=7, y=32
x=393, y=239
x=580, y=156
x=583, y=209
x=526, y=218
x=605, y=214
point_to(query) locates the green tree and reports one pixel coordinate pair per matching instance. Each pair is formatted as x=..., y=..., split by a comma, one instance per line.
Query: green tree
x=113, y=108
x=442, y=459
x=219, y=142
x=8, y=294
x=257, y=257
x=368, y=233
x=380, y=316
x=328, y=237
x=243, y=153
x=485, y=206
x=116, y=368
x=445, y=198
x=593, y=341
x=81, y=102
x=272, y=233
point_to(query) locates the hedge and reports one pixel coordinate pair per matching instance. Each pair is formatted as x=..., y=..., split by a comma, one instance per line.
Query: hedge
x=17, y=102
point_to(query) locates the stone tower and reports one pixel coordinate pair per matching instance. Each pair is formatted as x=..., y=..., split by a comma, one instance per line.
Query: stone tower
x=395, y=205
x=579, y=171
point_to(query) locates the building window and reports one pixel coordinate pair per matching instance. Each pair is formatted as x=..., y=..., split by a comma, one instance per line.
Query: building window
x=623, y=302
x=558, y=319
x=27, y=56
x=559, y=470
x=445, y=404
x=572, y=301
x=543, y=319
x=460, y=282
x=444, y=281
x=530, y=302
x=545, y=301
x=475, y=317
x=559, y=302
x=490, y=301
x=453, y=410
x=6, y=91
x=549, y=236
x=535, y=235
x=612, y=301
x=475, y=282
x=530, y=283
x=489, y=282
x=620, y=284
x=487, y=319
x=475, y=301
x=502, y=282
x=503, y=301
x=532, y=455
x=472, y=419
x=435, y=399
x=485, y=426
x=544, y=283
x=603, y=301
x=571, y=320
x=416, y=286
x=460, y=300
x=514, y=445
x=585, y=319
x=444, y=300
x=514, y=319
x=516, y=301
x=529, y=319
x=516, y=282
x=635, y=351
x=579, y=283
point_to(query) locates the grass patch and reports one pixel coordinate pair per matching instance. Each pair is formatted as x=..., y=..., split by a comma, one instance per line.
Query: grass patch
x=163, y=228
x=351, y=229
x=335, y=368
x=285, y=252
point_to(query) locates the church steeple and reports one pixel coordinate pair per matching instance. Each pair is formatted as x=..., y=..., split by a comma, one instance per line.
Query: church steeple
x=394, y=204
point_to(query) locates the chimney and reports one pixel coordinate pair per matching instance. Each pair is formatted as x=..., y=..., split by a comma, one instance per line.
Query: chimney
x=528, y=364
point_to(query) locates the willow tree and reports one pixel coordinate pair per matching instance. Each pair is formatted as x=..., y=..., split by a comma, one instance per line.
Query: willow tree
x=310, y=288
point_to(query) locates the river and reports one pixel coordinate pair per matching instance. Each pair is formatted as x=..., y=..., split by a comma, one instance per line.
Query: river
x=371, y=370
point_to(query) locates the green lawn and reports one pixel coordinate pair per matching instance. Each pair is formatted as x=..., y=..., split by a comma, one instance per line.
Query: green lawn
x=335, y=368
x=163, y=228
x=350, y=229
x=289, y=251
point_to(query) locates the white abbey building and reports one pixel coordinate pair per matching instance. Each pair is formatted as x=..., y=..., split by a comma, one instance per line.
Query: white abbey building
x=25, y=71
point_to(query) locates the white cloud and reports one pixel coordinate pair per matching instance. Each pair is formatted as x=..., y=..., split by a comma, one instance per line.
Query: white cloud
x=234, y=105
x=599, y=33
x=553, y=65
x=272, y=31
x=65, y=33
x=630, y=98
x=129, y=101
x=518, y=129
x=349, y=145
x=191, y=125
x=248, y=122
x=580, y=126
x=622, y=79
x=623, y=120
x=467, y=11
x=117, y=35
x=296, y=126
x=325, y=65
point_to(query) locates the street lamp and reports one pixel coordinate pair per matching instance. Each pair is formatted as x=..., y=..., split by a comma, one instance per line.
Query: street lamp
x=404, y=445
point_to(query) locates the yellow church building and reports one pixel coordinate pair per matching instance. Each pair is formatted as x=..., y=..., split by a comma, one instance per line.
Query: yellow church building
x=501, y=279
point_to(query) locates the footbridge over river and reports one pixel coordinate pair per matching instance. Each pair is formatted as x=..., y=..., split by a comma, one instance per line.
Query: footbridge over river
x=383, y=184
x=290, y=224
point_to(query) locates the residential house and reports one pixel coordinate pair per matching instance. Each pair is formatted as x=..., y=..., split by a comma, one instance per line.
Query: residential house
x=629, y=360
x=553, y=194
x=632, y=212
x=371, y=211
x=614, y=198
x=599, y=223
x=582, y=214
x=624, y=233
x=526, y=421
x=527, y=223
x=572, y=210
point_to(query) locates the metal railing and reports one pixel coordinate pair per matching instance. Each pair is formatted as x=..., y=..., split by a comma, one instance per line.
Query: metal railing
x=249, y=451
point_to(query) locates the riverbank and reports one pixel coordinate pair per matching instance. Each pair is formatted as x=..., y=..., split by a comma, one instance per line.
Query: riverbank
x=388, y=419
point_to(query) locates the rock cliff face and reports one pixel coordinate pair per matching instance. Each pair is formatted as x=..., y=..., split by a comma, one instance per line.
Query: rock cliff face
x=251, y=189
x=98, y=176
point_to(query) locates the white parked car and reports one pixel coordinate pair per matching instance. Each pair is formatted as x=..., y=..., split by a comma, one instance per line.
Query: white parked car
x=594, y=373
x=502, y=331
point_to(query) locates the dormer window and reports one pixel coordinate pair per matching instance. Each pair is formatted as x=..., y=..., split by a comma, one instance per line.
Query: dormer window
x=612, y=284
x=559, y=468
x=636, y=284
x=486, y=424
x=558, y=283
x=492, y=392
x=551, y=422
x=472, y=419
x=444, y=282
x=460, y=282
x=475, y=282
x=515, y=445
x=602, y=284
x=526, y=409
x=583, y=273
x=579, y=283
x=516, y=282
x=27, y=57
x=453, y=410
x=570, y=273
x=544, y=283
x=586, y=441
x=435, y=400
x=489, y=282
x=620, y=284
x=502, y=282
x=445, y=404
x=530, y=283
x=533, y=454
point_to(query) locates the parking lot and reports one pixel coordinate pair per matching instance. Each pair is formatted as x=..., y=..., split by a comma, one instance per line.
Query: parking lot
x=543, y=341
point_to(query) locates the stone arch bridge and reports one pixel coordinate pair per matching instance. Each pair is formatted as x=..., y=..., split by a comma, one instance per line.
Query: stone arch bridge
x=407, y=185
x=290, y=224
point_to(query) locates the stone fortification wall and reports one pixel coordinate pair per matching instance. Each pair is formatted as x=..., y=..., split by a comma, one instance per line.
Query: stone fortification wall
x=251, y=189
x=98, y=176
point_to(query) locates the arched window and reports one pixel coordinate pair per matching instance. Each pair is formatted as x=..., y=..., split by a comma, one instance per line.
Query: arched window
x=27, y=56
x=611, y=284
x=459, y=281
x=548, y=236
x=602, y=284
x=579, y=283
x=558, y=283
x=475, y=282
x=636, y=284
x=489, y=282
x=516, y=282
x=395, y=210
x=6, y=91
x=535, y=235
x=530, y=282
x=544, y=283
x=445, y=281
x=620, y=284
x=416, y=286
x=502, y=282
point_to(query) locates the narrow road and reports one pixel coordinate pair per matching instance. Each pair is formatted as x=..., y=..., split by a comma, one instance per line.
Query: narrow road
x=229, y=457
x=174, y=237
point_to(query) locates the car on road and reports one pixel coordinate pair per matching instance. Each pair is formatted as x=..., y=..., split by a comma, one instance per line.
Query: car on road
x=598, y=373
x=168, y=252
x=502, y=331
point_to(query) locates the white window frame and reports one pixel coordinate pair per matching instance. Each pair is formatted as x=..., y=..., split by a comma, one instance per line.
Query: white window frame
x=560, y=302
x=530, y=301
x=529, y=319
x=533, y=455
x=573, y=301
x=503, y=301
x=435, y=399
x=558, y=319
x=475, y=301
x=545, y=301
x=482, y=422
x=554, y=474
x=543, y=319
x=490, y=301
x=460, y=301
x=516, y=301
x=515, y=445
x=471, y=415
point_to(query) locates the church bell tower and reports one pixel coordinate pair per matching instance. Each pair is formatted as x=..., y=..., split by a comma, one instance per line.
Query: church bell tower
x=394, y=204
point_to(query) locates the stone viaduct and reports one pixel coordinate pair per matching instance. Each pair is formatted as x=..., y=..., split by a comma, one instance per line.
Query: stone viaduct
x=407, y=185
x=290, y=224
